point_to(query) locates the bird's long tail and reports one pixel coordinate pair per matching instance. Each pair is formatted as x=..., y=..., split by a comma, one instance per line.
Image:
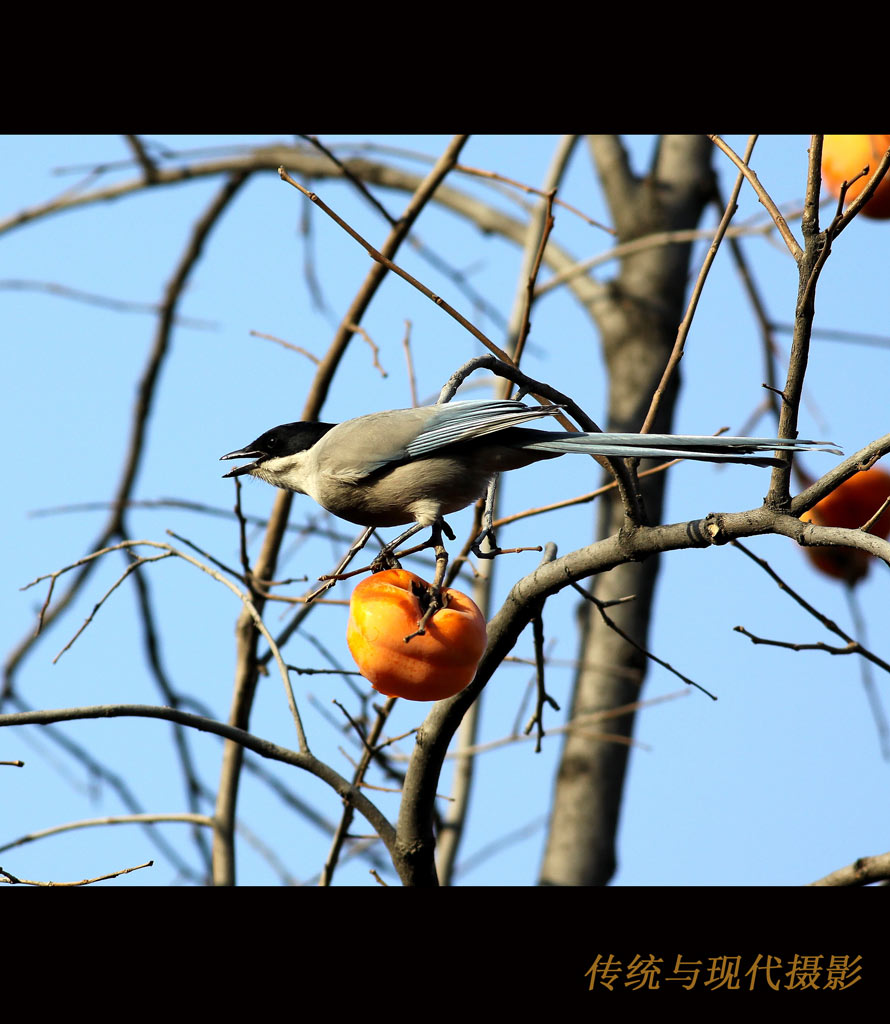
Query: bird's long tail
x=679, y=446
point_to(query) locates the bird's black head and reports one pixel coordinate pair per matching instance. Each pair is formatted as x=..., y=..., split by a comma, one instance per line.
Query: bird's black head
x=279, y=442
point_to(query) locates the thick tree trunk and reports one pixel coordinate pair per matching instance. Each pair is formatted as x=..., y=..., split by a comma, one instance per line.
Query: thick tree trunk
x=639, y=325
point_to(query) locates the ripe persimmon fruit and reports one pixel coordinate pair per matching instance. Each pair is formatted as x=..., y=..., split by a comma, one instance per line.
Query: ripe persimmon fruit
x=845, y=156
x=385, y=609
x=850, y=506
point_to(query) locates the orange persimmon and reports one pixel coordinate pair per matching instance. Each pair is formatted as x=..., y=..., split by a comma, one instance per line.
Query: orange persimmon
x=850, y=506
x=385, y=609
x=845, y=156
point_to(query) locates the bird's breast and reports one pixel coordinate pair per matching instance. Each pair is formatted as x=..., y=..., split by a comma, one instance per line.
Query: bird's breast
x=418, y=491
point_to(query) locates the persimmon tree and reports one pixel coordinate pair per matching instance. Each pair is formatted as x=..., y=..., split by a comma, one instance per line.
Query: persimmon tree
x=378, y=303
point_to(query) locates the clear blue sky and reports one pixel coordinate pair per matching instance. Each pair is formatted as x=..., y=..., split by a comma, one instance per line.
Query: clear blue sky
x=777, y=782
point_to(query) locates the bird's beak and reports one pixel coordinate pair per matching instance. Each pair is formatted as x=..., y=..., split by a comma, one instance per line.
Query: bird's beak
x=243, y=453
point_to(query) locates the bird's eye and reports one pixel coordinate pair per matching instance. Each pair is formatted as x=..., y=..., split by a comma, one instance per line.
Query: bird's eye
x=272, y=442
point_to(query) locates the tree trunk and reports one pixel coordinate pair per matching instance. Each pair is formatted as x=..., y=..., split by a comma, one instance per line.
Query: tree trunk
x=638, y=324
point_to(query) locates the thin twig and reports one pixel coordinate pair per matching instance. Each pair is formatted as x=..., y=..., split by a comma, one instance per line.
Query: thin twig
x=655, y=240
x=531, y=190
x=245, y=599
x=526, y=324
x=104, y=301
x=347, y=173
x=114, y=819
x=141, y=410
x=862, y=871
x=763, y=196
x=132, y=567
x=294, y=348
x=149, y=167
x=872, y=692
x=375, y=349
x=601, y=608
x=577, y=724
x=864, y=196
x=853, y=646
x=409, y=362
x=6, y=876
x=247, y=740
x=368, y=753
x=685, y=325
x=543, y=697
x=388, y=263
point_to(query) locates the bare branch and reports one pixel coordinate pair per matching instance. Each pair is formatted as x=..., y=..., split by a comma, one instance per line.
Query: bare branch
x=863, y=871
x=763, y=196
x=686, y=324
x=852, y=645
x=7, y=877
x=142, y=408
x=115, y=819
x=271, y=751
x=600, y=606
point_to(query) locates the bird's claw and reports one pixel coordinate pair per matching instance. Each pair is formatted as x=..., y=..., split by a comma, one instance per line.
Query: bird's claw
x=491, y=550
x=385, y=560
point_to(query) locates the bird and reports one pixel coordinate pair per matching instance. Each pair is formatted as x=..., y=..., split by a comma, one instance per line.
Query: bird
x=418, y=465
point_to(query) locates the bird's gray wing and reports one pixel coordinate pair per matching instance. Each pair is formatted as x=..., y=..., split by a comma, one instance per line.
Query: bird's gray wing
x=453, y=422
x=358, y=448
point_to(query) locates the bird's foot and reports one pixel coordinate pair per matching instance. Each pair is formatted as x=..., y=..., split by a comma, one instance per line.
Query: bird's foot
x=431, y=599
x=385, y=560
x=492, y=549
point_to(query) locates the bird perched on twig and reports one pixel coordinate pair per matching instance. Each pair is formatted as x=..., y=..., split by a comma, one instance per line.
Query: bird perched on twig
x=418, y=465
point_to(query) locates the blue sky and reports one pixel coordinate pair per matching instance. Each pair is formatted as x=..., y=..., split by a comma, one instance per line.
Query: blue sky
x=775, y=783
